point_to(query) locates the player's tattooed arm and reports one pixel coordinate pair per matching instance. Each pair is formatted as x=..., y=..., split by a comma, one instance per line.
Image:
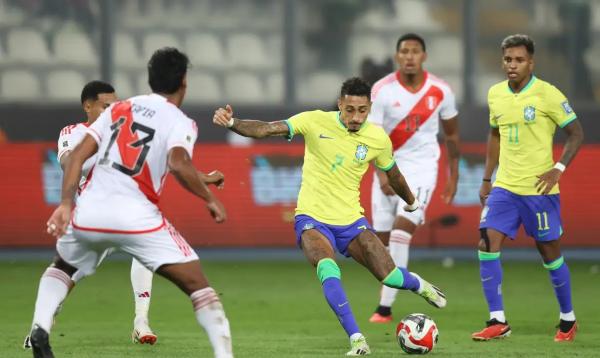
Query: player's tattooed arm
x=491, y=161
x=249, y=128
x=450, y=127
x=397, y=181
x=574, y=132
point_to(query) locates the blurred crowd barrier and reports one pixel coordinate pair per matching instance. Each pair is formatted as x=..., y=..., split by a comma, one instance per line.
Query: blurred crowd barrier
x=261, y=188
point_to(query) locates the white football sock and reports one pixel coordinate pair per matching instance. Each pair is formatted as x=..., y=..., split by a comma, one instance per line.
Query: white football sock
x=54, y=287
x=141, y=282
x=569, y=316
x=211, y=316
x=399, y=245
x=498, y=315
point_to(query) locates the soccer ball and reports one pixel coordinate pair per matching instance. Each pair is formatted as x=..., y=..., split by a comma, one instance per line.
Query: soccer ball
x=417, y=334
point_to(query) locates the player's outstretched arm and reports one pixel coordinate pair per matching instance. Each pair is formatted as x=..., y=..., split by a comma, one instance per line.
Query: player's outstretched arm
x=491, y=162
x=57, y=224
x=247, y=127
x=180, y=164
x=397, y=181
x=450, y=127
x=549, y=179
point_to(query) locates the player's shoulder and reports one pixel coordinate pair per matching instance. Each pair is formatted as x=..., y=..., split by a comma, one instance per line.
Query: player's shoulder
x=71, y=129
x=383, y=83
x=498, y=89
x=547, y=88
x=439, y=82
x=375, y=131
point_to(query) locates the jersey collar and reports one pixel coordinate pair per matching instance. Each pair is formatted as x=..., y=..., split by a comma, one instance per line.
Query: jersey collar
x=339, y=120
x=399, y=79
x=527, y=86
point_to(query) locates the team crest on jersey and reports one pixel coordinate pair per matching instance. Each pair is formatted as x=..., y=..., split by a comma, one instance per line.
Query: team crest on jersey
x=529, y=113
x=431, y=102
x=361, y=151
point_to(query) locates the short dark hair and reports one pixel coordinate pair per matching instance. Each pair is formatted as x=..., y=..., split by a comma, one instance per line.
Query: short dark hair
x=356, y=87
x=92, y=89
x=411, y=36
x=166, y=69
x=519, y=40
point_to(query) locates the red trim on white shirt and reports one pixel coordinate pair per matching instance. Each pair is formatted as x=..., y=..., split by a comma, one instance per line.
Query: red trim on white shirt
x=113, y=231
x=409, y=89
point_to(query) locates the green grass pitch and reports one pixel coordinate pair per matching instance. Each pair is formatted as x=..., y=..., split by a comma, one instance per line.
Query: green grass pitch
x=276, y=309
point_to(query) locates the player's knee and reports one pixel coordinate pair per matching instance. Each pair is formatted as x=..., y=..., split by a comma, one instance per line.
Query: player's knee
x=484, y=241
x=62, y=265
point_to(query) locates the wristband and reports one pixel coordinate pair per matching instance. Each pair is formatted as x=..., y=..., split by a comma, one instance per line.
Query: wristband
x=412, y=207
x=487, y=180
x=230, y=123
x=560, y=166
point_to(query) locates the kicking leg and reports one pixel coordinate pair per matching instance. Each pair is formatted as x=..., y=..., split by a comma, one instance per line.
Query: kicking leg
x=370, y=252
x=141, y=282
x=490, y=270
x=561, y=281
x=320, y=254
x=207, y=306
x=399, y=244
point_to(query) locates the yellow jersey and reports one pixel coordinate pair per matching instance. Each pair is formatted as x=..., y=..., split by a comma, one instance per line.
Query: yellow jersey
x=527, y=121
x=335, y=161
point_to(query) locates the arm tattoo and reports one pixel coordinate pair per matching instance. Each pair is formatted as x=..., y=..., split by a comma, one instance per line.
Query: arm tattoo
x=259, y=129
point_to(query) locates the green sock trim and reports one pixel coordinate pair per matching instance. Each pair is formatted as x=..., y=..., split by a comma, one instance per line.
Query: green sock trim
x=395, y=279
x=488, y=256
x=327, y=268
x=554, y=265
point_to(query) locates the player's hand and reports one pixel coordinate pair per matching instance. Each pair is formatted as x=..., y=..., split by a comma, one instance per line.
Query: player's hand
x=449, y=191
x=223, y=116
x=216, y=178
x=547, y=181
x=387, y=189
x=484, y=191
x=57, y=224
x=217, y=210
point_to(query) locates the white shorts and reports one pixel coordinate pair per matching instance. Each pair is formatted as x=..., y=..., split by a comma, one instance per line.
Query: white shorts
x=85, y=250
x=386, y=208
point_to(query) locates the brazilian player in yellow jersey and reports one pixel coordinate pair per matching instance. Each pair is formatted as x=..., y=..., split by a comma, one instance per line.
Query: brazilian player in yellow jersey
x=338, y=149
x=524, y=114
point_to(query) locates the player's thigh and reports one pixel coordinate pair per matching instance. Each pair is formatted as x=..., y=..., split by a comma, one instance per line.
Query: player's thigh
x=491, y=240
x=383, y=209
x=541, y=216
x=81, y=250
x=316, y=246
x=500, y=214
x=368, y=250
x=549, y=250
x=158, y=248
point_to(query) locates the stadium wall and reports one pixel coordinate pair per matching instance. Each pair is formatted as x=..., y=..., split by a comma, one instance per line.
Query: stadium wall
x=261, y=188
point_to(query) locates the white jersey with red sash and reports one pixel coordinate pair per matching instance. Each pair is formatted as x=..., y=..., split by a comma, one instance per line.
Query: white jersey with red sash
x=411, y=117
x=134, y=138
x=68, y=139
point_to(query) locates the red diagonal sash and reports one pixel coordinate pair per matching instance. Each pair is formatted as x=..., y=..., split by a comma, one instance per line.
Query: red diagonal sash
x=418, y=115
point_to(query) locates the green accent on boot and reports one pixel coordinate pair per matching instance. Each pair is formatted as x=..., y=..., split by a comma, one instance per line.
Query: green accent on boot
x=327, y=268
x=488, y=256
x=555, y=265
x=395, y=279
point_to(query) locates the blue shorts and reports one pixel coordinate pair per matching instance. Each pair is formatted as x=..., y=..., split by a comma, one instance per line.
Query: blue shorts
x=540, y=214
x=339, y=236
